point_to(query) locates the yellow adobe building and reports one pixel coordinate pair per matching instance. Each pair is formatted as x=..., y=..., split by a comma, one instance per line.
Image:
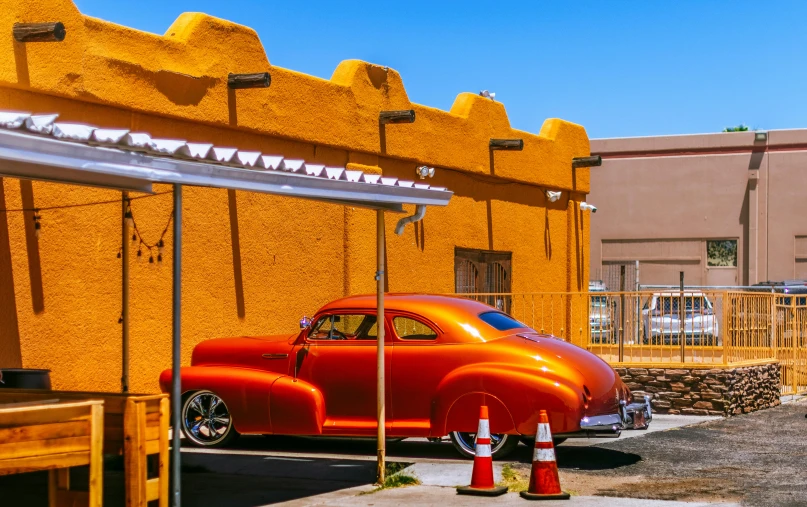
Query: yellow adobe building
x=253, y=263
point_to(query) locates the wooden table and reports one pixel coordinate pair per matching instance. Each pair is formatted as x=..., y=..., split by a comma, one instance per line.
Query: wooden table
x=134, y=426
x=53, y=436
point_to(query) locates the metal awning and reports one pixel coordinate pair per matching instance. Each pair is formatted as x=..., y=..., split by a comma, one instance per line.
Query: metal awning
x=39, y=147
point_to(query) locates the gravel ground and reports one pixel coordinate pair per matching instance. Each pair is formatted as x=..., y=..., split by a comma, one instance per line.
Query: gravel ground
x=757, y=459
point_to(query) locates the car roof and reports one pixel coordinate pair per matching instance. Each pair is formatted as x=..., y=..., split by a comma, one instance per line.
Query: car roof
x=410, y=303
x=450, y=313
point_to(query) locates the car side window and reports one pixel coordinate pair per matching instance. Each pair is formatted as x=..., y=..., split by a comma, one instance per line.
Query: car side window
x=411, y=329
x=349, y=326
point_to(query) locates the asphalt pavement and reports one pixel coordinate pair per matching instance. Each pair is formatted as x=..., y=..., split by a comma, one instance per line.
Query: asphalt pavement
x=758, y=459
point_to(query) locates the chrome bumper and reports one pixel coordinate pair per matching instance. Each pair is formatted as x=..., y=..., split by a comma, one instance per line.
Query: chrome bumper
x=636, y=416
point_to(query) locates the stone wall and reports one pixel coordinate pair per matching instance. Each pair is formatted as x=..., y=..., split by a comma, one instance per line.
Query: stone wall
x=726, y=392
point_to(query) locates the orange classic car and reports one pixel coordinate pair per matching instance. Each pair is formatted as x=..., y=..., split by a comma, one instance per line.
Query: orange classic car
x=445, y=356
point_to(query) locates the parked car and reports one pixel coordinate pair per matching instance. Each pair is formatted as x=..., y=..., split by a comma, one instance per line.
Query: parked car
x=445, y=356
x=788, y=287
x=601, y=314
x=662, y=319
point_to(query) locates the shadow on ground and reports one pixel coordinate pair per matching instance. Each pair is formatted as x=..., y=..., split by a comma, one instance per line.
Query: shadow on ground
x=234, y=480
x=593, y=458
x=364, y=447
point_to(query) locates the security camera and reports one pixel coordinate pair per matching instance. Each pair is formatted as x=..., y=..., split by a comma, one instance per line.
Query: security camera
x=586, y=206
x=553, y=195
x=424, y=172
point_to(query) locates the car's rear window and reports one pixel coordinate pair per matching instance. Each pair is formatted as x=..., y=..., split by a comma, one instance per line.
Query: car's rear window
x=500, y=321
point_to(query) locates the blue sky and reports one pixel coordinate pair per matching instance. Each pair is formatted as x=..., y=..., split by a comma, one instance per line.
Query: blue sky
x=617, y=68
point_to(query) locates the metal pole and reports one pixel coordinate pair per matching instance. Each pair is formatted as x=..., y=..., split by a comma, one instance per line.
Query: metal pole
x=176, y=388
x=621, y=313
x=379, y=276
x=681, y=315
x=124, y=379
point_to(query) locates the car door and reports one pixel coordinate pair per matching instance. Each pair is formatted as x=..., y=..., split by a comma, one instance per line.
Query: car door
x=338, y=356
x=419, y=363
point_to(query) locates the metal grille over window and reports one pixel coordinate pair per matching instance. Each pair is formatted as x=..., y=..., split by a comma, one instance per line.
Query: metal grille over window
x=466, y=277
x=494, y=286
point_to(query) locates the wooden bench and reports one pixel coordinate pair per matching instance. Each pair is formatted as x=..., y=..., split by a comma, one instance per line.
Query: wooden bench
x=135, y=426
x=55, y=436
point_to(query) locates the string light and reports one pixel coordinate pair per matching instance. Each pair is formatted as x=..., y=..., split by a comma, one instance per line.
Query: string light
x=127, y=217
x=159, y=245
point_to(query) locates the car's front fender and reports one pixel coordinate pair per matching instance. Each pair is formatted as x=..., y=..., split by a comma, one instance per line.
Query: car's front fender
x=246, y=392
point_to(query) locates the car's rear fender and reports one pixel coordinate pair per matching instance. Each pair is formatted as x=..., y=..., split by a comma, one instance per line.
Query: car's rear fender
x=246, y=392
x=522, y=393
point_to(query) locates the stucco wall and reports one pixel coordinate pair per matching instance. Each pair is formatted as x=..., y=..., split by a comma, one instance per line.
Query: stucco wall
x=61, y=294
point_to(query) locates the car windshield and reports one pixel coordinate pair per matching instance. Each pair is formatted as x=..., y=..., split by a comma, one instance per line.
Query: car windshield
x=501, y=321
x=597, y=300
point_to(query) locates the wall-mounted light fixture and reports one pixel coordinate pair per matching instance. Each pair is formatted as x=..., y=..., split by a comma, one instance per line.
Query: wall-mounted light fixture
x=488, y=95
x=39, y=32
x=592, y=161
x=256, y=80
x=553, y=195
x=405, y=116
x=760, y=137
x=507, y=144
x=584, y=206
x=424, y=172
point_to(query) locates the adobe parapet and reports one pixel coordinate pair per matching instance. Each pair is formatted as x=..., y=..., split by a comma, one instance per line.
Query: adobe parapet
x=183, y=75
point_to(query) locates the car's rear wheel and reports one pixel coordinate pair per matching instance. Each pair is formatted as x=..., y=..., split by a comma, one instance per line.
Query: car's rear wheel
x=500, y=444
x=206, y=421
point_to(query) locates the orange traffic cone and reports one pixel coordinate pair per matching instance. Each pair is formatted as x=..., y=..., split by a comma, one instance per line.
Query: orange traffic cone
x=482, y=475
x=544, y=480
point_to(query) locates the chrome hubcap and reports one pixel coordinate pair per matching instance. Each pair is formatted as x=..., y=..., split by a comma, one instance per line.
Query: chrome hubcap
x=206, y=418
x=468, y=441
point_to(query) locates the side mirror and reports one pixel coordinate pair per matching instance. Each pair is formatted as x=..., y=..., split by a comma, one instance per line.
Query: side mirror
x=305, y=322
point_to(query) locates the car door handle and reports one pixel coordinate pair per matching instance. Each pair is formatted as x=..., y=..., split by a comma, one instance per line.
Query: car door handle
x=275, y=356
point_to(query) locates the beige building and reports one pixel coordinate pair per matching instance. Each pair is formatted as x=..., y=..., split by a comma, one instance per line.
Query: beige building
x=727, y=208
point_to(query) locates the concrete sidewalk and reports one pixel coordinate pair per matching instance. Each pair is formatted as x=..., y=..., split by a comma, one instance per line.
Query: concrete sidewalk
x=422, y=496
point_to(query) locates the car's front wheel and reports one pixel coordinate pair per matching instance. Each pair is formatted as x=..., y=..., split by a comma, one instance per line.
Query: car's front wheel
x=500, y=444
x=206, y=421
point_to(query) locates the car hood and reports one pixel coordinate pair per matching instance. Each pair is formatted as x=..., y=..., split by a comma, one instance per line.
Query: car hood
x=602, y=382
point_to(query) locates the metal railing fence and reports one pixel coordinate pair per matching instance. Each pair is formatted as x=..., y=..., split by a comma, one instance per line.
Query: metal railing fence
x=670, y=328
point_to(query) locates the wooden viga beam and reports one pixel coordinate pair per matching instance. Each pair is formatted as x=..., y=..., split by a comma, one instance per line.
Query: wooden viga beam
x=592, y=161
x=507, y=144
x=405, y=116
x=39, y=32
x=256, y=80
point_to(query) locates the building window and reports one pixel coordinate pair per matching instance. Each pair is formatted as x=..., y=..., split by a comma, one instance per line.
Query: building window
x=484, y=272
x=721, y=253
